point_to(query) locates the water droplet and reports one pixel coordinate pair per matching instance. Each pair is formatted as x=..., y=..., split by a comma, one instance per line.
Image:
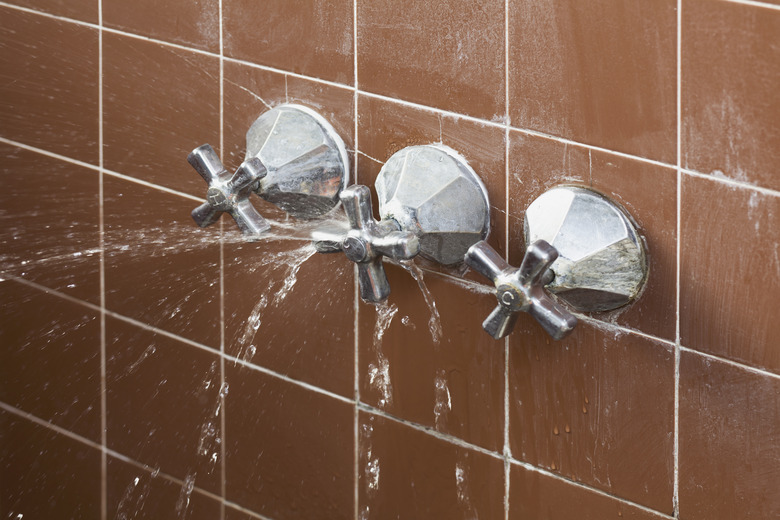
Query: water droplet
x=554, y=467
x=155, y=472
x=223, y=391
x=555, y=431
x=567, y=429
x=584, y=410
x=586, y=400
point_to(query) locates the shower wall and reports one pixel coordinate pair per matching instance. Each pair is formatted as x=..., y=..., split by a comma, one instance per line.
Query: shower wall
x=151, y=369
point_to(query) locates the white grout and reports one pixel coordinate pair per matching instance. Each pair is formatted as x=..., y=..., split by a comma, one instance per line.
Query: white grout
x=541, y=471
x=222, y=396
x=755, y=4
x=355, y=278
x=102, y=244
x=507, y=120
x=676, y=445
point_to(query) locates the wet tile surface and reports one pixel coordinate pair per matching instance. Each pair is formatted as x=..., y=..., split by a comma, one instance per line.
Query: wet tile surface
x=196, y=24
x=49, y=93
x=290, y=451
x=276, y=294
x=84, y=10
x=579, y=407
x=135, y=493
x=737, y=316
x=50, y=360
x=645, y=191
x=405, y=473
x=447, y=54
x=442, y=370
x=160, y=267
x=45, y=474
x=160, y=103
x=274, y=36
x=730, y=99
x=50, y=229
x=601, y=73
x=729, y=455
x=538, y=496
x=162, y=402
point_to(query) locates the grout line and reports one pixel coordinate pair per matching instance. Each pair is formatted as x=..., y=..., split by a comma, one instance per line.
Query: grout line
x=355, y=279
x=754, y=4
x=102, y=271
x=541, y=471
x=676, y=441
x=736, y=364
x=223, y=382
x=153, y=186
x=98, y=168
x=621, y=329
x=430, y=431
x=731, y=182
x=507, y=119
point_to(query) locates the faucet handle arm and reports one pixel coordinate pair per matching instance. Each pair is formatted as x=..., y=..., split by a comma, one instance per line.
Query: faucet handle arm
x=226, y=193
x=521, y=289
x=366, y=242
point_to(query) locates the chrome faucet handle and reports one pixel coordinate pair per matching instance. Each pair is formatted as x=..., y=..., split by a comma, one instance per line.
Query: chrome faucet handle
x=228, y=193
x=521, y=289
x=367, y=241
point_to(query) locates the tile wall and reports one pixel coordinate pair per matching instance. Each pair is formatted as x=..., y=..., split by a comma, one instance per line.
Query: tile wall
x=131, y=387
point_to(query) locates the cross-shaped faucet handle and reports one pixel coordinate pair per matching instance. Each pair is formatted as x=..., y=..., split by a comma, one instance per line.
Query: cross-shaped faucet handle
x=228, y=193
x=367, y=241
x=521, y=289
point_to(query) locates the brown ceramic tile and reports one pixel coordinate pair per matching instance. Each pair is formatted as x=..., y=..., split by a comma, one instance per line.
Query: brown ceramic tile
x=160, y=103
x=46, y=475
x=730, y=99
x=290, y=451
x=50, y=360
x=538, y=496
x=160, y=268
x=646, y=191
x=405, y=473
x=194, y=24
x=730, y=272
x=305, y=331
x=385, y=127
x=162, y=403
x=49, y=93
x=456, y=385
x=49, y=229
x=84, y=10
x=601, y=72
x=445, y=54
x=729, y=454
x=596, y=407
x=313, y=39
x=135, y=493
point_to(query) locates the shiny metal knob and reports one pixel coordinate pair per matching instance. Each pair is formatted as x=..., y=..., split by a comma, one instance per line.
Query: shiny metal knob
x=228, y=193
x=521, y=289
x=366, y=242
